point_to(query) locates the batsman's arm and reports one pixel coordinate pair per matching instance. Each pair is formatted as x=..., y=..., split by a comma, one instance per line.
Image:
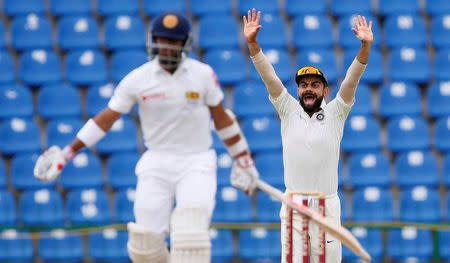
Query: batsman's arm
x=262, y=64
x=363, y=32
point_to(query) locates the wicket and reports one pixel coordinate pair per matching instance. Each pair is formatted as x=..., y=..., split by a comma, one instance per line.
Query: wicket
x=302, y=198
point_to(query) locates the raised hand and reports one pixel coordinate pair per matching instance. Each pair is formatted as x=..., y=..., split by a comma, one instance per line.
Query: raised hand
x=363, y=31
x=251, y=25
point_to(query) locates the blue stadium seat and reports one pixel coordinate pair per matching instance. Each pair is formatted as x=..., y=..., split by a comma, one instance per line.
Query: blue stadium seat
x=268, y=208
x=303, y=7
x=3, y=43
x=8, y=213
x=23, y=7
x=78, y=32
x=39, y=67
x=395, y=7
x=342, y=8
x=218, y=32
x=405, y=30
x=222, y=245
x=442, y=65
x=263, y=134
x=442, y=134
x=19, y=136
x=416, y=168
x=281, y=61
x=70, y=7
x=374, y=72
x=270, y=167
x=228, y=64
x=409, y=242
x=438, y=99
x=61, y=132
x=224, y=164
x=7, y=68
x=361, y=134
x=31, y=32
x=121, y=137
x=124, y=32
x=273, y=25
x=323, y=59
x=22, y=178
x=266, y=7
x=15, y=101
x=109, y=245
x=371, y=240
x=117, y=7
x=444, y=244
x=341, y=177
x=409, y=64
x=372, y=204
x=15, y=246
x=363, y=104
x=121, y=170
x=259, y=244
x=315, y=32
x=123, y=62
x=232, y=205
x=82, y=172
x=42, y=207
x=447, y=201
x=61, y=246
x=123, y=205
x=420, y=205
x=86, y=67
x=446, y=170
x=251, y=100
x=218, y=145
x=407, y=134
x=399, y=98
x=88, y=207
x=201, y=8
x=59, y=101
x=3, y=182
x=369, y=169
x=346, y=37
x=154, y=7
x=97, y=97
x=440, y=31
x=437, y=7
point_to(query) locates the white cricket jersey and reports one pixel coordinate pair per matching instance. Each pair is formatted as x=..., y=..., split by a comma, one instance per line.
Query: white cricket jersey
x=311, y=145
x=173, y=108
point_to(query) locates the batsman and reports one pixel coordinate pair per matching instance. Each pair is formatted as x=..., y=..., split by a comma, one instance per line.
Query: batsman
x=311, y=131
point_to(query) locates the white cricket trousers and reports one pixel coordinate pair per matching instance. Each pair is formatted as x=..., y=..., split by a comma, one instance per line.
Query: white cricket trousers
x=188, y=179
x=333, y=248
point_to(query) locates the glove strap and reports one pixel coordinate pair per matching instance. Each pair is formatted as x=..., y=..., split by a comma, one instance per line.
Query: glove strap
x=245, y=161
x=68, y=153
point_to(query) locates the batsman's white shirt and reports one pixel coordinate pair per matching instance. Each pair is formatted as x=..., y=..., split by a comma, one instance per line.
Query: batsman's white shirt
x=179, y=164
x=173, y=108
x=311, y=145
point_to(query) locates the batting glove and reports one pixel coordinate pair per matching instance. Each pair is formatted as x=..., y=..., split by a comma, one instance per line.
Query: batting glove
x=50, y=164
x=244, y=174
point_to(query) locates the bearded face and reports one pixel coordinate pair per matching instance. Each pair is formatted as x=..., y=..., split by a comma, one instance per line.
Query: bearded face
x=311, y=92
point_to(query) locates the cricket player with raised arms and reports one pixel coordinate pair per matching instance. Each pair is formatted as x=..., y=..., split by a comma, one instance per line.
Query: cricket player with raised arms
x=177, y=96
x=311, y=131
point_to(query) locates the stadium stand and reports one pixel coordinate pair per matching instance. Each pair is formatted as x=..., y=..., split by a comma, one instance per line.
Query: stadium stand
x=8, y=75
x=372, y=204
x=273, y=25
x=108, y=245
x=404, y=30
x=117, y=7
x=399, y=98
x=346, y=37
x=228, y=64
x=407, y=134
x=70, y=7
x=19, y=136
x=438, y=99
x=31, y=31
x=200, y=8
x=123, y=62
x=442, y=64
x=369, y=169
x=218, y=32
x=270, y=165
x=15, y=101
x=86, y=67
x=409, y=242
x=421, y=205
x=260, y=244
x=3, y=182
x=42, y=208
x=15, y=246
x=409, y=64
x=446, y=171
x=122, y=137
x=350, y=7
x=363, y=96
x=324, y=59
x=61, y=246
x=361, y=134
x=266, y=7
x=394, y=7
x=232, y=205
x=281, y=62
x=371, y=240
x=416, y=168
x=97, y=97
x=61, y=132
x=22, y=178
x=123, y=206
x=224, y=164
x=437, y=7
x=222, y=245
x=57, y=101
x=266, y=206
x=316, y=32
x=124, y=32
x=154, y=7
x=78, y=32
x=83, y=171
x=23, y=7
x=39, y=67
x=303, y=7
x=442, y=134
x=440, y=29
x=250, y=100
x=374, y=73
x=88, y=207
x=8, y=212
x=121, y=170
x=263, y=134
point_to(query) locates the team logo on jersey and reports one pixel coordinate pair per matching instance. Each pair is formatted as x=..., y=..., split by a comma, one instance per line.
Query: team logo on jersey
x=161, y=95
x=320, y=117
x=192, y=96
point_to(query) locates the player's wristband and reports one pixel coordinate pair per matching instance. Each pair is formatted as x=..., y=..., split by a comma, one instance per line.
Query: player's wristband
x=237, y=148
x=229, y=131
x=68, y=153
x=91, y=133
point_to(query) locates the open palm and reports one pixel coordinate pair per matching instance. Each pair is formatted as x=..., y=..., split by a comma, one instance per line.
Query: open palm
x=251, y=25
x=363, y=31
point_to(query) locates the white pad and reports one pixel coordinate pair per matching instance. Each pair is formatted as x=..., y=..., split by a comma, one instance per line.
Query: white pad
x=189, y=236
x=145, y=246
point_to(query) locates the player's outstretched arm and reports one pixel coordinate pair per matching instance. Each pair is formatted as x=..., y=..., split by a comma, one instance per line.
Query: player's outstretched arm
x=50, y=164
x=363, y=32
x=262, y=65
x=243, y=173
